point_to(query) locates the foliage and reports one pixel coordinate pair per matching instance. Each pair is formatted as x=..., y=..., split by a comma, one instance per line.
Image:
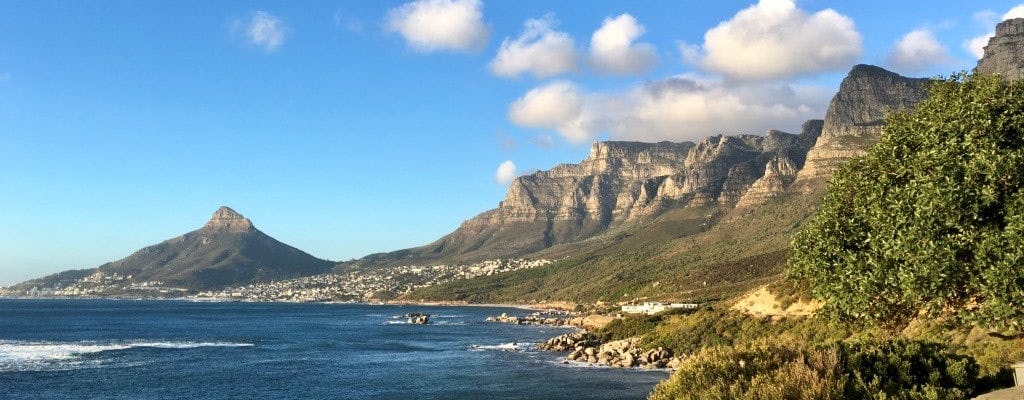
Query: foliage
x=893, y=369
x=931, y=221
x=629, y=326
x=664, y=259
x=688, y=334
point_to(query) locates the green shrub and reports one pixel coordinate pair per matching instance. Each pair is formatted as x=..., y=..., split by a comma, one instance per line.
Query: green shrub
x=896, y=369
x=686, y=334
x=629, y=326
x=932, y=219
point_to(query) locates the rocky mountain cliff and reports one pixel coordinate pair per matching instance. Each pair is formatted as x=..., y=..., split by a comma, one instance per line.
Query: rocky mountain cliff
x=1004, y=54
x=855, y=117
x=623, y=183
x=227, y=251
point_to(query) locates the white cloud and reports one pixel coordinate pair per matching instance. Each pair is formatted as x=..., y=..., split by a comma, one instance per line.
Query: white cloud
x=435, y=25
x=613, y=51
x=916, y=51
x=261, y=30
x=976, y=45
x=506, y=172
x=775, y=39
x=556, y=106
x=677, y=108
x=539, y=50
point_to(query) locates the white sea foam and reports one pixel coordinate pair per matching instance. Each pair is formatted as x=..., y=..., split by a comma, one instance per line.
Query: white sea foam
x=513, y=346
x=21, y=355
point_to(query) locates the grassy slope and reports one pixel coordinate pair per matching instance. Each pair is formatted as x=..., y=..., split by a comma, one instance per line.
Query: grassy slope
x=669, y=258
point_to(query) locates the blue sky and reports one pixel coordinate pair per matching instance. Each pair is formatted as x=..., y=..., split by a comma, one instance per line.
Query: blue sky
x=346, y=128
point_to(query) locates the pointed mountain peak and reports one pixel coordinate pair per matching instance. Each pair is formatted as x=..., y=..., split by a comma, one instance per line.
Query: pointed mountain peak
x=226, y=219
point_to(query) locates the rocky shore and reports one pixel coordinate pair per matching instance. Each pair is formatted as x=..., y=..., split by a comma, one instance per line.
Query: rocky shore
x=587, y=348
x=532, y=319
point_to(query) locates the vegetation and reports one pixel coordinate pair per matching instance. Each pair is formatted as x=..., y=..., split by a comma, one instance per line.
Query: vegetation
x=665, y=259
x=894, y=369
x=931, y=221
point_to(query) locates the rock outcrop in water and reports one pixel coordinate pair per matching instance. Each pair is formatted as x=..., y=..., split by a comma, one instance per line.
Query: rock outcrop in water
x=1004, y=54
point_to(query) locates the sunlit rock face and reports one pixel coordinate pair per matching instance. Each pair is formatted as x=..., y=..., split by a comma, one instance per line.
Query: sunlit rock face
x=1004, y=54
x=855, y=117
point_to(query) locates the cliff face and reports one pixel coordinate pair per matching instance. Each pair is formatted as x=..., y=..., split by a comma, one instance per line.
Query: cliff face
x=855, y=117
x=628, y=182
x=1004, y=54
x=621, y=183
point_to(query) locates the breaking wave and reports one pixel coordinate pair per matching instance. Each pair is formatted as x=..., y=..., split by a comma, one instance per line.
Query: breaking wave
x=513, y=346
x=17, y=355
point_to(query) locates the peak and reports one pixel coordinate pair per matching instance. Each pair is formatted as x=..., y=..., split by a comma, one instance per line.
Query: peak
x=1012, y=26
x=225, y=212
x=1003, y=52
x=869, y=70
x=230, y=220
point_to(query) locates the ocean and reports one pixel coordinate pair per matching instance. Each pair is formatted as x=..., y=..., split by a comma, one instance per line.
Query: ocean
x=125, y=349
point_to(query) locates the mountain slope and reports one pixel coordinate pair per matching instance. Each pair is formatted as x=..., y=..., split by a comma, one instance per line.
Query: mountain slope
x=708, y=250
x=227, y=251
x=619, y=184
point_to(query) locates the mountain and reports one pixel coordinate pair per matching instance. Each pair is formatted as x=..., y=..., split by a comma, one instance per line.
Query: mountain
x=855, y=118
x=618, y=184
x=622, y=184
x=1004, y=54
x=227, y=251
x=725, y=231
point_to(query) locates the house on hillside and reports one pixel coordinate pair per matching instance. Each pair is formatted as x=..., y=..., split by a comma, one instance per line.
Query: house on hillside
x=650, y=308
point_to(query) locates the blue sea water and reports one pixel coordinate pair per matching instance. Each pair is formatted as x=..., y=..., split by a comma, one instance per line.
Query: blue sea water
x=122, y=349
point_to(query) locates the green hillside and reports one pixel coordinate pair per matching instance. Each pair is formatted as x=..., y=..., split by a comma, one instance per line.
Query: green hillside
x=673, y=257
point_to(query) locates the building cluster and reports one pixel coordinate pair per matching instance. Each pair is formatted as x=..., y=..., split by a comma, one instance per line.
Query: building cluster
x=100, y=284
x=363, y=285
x=651, y=308
x=368, y=285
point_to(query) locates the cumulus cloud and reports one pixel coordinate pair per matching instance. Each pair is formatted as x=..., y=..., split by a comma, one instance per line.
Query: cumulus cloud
x=976, y=45
x=506, y=172
x=262, y=30
x=539, y=50
x=684, y=107
x=613, y=51
x=557, y=106
x=916, y=51
x=436, y=25
x=775, y=39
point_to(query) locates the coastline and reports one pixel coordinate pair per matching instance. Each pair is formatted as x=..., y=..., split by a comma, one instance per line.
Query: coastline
x=532, y=307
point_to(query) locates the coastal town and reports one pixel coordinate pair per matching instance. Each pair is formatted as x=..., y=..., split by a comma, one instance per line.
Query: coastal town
x=362, y=285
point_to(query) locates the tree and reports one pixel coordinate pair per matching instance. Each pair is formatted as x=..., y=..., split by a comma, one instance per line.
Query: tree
x=931, y=220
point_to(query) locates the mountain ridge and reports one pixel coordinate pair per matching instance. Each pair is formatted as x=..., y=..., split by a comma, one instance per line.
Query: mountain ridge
x=228, y=250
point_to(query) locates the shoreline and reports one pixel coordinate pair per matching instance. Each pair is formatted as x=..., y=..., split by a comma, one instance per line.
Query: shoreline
x=532, y=307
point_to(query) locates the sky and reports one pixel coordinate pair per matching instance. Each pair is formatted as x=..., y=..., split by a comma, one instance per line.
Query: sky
x=346, y=128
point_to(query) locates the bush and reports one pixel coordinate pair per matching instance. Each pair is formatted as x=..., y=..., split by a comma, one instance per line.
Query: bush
x=931, y=221
x=706, y=328
x=897, y=369
x=629, y=326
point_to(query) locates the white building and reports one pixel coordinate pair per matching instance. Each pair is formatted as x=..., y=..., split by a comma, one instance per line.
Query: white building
x=650, y=308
